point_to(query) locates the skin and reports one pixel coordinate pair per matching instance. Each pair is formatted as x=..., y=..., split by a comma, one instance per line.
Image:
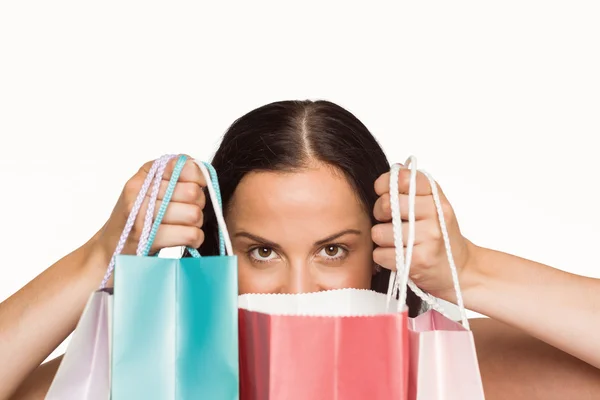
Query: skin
x=40, y=316
x=557, y=307
x=290, y=241
x=279, y=233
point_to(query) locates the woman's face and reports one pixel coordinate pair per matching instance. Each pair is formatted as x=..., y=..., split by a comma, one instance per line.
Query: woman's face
x=297, y=232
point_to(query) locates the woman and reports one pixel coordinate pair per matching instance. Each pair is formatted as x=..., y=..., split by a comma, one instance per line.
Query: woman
x=304, y=187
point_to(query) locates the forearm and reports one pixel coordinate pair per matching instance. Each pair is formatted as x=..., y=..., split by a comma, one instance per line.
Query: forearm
x=557, y=307
x=37, y=318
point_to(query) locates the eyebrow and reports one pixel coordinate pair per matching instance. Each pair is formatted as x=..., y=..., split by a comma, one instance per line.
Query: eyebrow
x=321, y=242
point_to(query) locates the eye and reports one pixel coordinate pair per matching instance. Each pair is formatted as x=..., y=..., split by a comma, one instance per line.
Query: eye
x=263, y=254
x=332, y=252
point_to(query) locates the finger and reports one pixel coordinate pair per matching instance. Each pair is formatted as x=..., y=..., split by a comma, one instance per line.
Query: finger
x=190, y=172
x=177, y=235
x=146, y=167
x=386, y=257
x=382, y=184
x=185, y=192
x=181, y=214
x=424, y=207
x=425, y=230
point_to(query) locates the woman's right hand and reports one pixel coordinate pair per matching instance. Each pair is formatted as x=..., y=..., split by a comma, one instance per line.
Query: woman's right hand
x=182, y=223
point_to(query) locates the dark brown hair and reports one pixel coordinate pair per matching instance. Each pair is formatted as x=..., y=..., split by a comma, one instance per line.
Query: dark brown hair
x=287, y=135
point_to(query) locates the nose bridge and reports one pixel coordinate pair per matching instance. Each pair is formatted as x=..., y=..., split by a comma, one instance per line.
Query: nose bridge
x=300, y=278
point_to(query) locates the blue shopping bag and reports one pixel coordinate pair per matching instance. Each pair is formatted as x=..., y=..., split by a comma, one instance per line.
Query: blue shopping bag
x=175, y=321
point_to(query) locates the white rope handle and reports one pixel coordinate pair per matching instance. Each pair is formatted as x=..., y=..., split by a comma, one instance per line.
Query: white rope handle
x=396, y=286
x=397, y=231
x=216, y=208
x=445, y=236
x=412, y=185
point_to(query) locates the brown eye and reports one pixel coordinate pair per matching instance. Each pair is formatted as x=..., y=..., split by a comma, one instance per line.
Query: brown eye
x=331, y=251
x=264, y=252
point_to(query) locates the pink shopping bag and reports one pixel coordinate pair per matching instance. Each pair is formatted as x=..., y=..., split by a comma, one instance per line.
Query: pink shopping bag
x=343, y=344
x=443, y=360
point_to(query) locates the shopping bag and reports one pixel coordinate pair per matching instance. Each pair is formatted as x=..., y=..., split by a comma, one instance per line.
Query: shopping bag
x=332, y=345
x=444, y=363
x=443, y=358
x=174, y=333
x=84, y=372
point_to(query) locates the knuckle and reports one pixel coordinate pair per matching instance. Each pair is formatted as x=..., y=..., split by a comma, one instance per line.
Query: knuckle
x=130, y=192
x=377, y=234
x=197, y=215
x=386, y=205
x=384, y=256
x=144, y=168
x=171, y=163
x=427, y=261
x=190, y=236
x=435, y=233
x=193, y=192
x=129, y=202
x=403, y=178
x=201, y=199
x=378, y=256
x=418, y=259
x=447, y=210
x=133, y=185
x=196, y=237
x=135, y=232
x=416, y=276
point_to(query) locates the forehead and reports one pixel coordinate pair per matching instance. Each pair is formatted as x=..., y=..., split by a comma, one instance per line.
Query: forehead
x=315, y=199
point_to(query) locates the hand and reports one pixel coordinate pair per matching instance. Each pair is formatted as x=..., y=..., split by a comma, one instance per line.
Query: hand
x=182, y=223
x=429, y=268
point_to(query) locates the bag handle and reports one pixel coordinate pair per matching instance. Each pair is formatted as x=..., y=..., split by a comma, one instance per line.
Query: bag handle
x=394, y=285
x=401, y=264
x=398, y=287
x=154, y=177
x=216, y=201
x=130, y=221
x=445, y=236
x=147, y=240
x=217, y=189
x=215, y=197
x=152, y=203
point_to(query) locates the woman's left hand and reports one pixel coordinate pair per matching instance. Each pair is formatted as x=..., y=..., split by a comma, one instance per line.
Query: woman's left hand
x=429, y=268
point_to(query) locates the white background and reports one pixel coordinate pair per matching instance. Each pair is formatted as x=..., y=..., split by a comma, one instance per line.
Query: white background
x=500, y=101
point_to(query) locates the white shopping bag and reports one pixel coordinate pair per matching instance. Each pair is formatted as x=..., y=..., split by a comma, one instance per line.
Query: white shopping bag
x=84, y=372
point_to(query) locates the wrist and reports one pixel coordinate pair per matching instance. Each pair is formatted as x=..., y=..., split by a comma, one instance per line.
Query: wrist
x=472, y=275
x=95, y=256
